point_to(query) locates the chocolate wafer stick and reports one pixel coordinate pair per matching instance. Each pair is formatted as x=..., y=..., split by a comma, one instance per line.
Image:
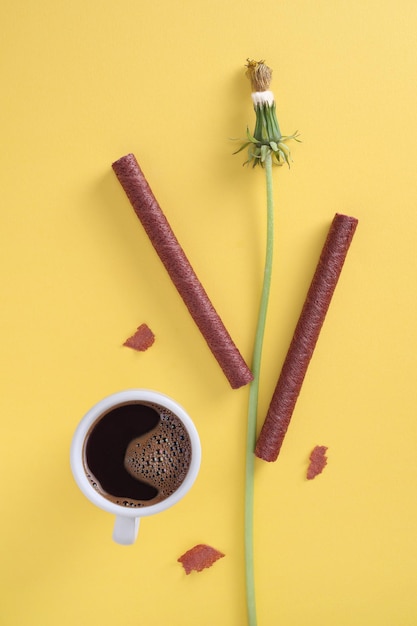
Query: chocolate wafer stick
x=305, y=337
x=179, y=269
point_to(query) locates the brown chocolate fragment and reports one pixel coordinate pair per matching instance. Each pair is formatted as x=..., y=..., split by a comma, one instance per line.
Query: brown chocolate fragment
x=318, y=461
x=305, y=337
x=180, y=271
x=199, y=557
x=141, y=340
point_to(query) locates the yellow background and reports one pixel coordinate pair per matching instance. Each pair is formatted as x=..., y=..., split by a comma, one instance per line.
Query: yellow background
x=84, y=83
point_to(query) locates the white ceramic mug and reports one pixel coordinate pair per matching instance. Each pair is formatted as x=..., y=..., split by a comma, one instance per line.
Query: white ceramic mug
x=127, y=519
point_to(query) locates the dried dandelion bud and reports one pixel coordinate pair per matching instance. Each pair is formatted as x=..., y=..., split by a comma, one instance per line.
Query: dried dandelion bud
x=267, y=138
x=259, y=74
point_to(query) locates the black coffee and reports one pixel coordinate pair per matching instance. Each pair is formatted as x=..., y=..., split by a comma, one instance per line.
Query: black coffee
x=137, y=454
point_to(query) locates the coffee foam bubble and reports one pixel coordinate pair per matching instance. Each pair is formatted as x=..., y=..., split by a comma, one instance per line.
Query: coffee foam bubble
x=161, y=457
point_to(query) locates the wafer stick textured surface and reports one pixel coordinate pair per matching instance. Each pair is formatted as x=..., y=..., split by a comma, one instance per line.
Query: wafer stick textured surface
x=305, y=337
x=179, y=269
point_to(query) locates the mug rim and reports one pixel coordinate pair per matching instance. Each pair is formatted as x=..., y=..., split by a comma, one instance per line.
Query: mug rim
x=107, y=403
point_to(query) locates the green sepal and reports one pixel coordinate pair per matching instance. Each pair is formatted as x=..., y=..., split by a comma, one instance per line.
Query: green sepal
x=265, y=150
x=242, y=147
x=250, y=137
x=267, y=139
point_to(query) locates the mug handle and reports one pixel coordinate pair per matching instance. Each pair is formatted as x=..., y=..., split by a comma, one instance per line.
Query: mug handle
x=125, y=530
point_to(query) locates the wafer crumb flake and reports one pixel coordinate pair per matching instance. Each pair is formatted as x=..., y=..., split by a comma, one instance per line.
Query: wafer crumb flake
x=141, y=340
x=318, y=461
x=199, y=557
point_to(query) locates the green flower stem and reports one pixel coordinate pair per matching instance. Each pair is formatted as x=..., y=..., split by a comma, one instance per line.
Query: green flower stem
x=253, y=399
